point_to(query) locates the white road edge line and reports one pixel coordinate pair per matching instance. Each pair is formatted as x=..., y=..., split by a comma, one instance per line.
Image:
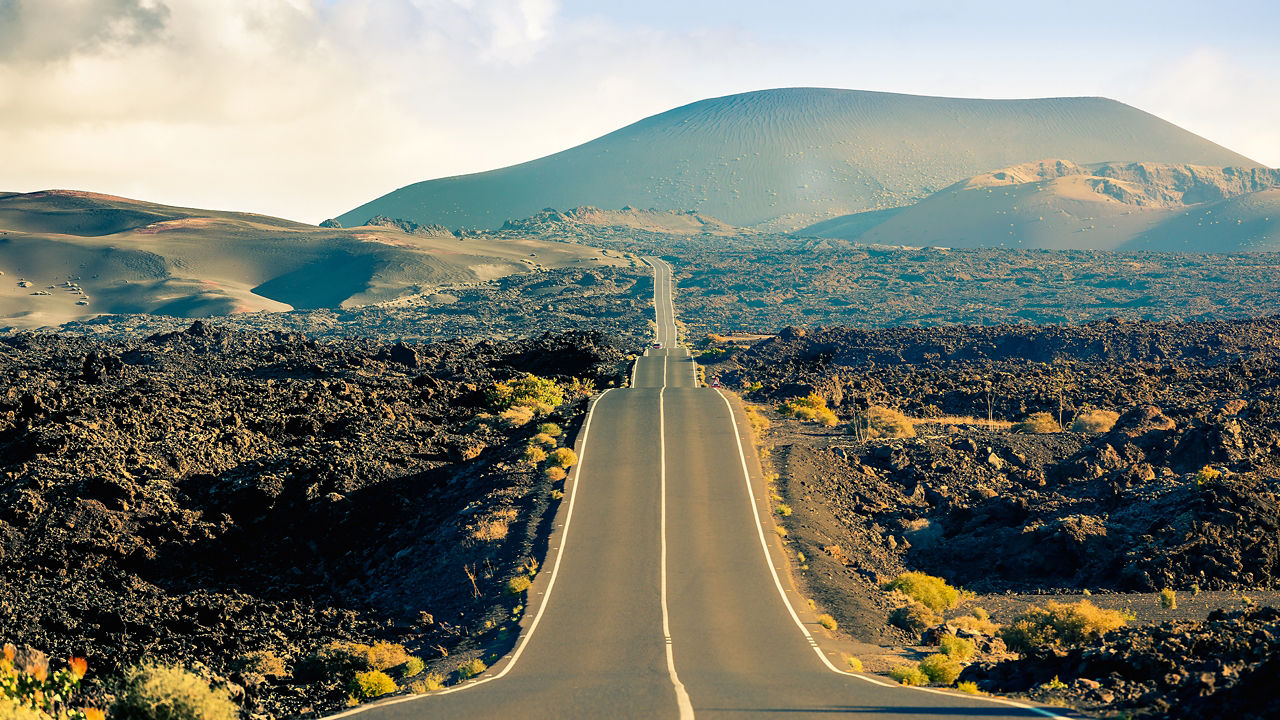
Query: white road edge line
x=546, y=596
x=682, y=695
x=777, y=582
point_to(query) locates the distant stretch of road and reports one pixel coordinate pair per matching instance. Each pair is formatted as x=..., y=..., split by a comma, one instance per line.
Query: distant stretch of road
x=661, y=597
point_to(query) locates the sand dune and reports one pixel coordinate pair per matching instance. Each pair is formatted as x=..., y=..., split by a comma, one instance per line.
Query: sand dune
x=785, y=159
x=69, y=255
x=1059, y=204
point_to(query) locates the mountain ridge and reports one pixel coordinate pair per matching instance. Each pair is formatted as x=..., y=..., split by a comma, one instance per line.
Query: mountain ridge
x=785, y=158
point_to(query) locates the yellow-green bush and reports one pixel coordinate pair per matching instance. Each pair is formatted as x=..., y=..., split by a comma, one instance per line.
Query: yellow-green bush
x=554, y=474
x=471, y=668
x=256, y=667
x=529, y=391
x=855, y=664
x=1207, y=473
x=430, y=683
x=957, y=648
x=1037, y=424
x=940, y=668
x=168, y=692
x=412, y=666
x=518, y=585
x=827, y=622
x=969, y=688
x=888, y=423
x=372, y=684
x=30, y=690
x=544, y=440
x=563, y=458
x=517, y=416
x=11, y=710
x=533, y=455
x=914, y=617
x=1168, y=599
x=908, y=675
x=551, y=429
x=344, y=659
x=1095, y=421
x=811, y=408
x=933, y=592
x=1062, y=624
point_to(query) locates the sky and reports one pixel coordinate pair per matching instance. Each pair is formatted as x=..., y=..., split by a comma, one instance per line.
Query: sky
x=307, y=108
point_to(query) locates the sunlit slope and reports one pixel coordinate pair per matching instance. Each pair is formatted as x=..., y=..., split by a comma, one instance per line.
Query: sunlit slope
x=1057, y=204
x=68, y=255
x=783, y=159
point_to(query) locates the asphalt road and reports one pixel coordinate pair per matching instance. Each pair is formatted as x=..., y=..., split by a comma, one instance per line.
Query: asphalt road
x=662, y=596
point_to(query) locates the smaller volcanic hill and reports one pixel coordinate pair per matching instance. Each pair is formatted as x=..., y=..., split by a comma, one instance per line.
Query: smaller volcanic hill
x=69, y=255
x=1058, y=204
x=670, y=222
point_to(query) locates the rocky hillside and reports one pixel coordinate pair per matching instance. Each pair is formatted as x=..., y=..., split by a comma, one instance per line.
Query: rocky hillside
x=206, y=495
x=786, y=158
x=670, y=222
x=1060, y=204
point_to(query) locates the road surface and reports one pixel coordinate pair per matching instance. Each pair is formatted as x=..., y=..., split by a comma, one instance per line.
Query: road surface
x=662, y=597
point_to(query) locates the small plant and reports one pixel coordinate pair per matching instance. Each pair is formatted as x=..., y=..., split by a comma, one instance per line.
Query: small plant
x=563, y=458
x=551, y=429
x=855, y=664
x=430, y=683
x=518, y=585
x=1206, y=474
x=888, y=423
x=533, y=455
x=1095, y=421
x=908, y=675
x=781, y=531
x=783, y=509
x=371, y=684
x=256, y=667
x=557, y=494
x=914, y=617
x=529, y=391
x=172, y=693
x=1055, y=684
x=977, y=621
x=554, y=474
x=933, y=592
x=29, y=691
x=543, y=440
x=1195, y=589
x=1060, y=624
x=956, y=648
x=1037, y=424
x=811, y=408
x=969, y=688
x=412, y=666
x=827, y=622
x=940, y=668
x=1168, y=599
x=516, y=416
x=468, y=670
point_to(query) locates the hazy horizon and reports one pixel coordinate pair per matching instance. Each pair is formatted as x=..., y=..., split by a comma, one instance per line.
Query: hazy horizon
x=305, y=109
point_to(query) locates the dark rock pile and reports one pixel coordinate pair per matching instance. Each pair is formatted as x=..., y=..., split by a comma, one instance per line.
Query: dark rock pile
x=204, y=494
x=1226, y=666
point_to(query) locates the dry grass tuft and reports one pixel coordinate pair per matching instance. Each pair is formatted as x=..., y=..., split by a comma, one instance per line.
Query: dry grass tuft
x=888, y=423
x=1060, y=624
x=1095, y=421
x=1040, y=423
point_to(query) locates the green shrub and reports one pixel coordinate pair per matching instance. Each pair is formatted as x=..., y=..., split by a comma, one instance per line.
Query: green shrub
x=957, y=648
x=533, y=455
x=1168, y=599
x=1207, y=473
x=933, y=592
x=940, y=668
x=563, y=458
x=471, y=669
x=412, y=666
x=908, y=675
x=529, y=391
x=1095, y=421
x=168, y=692
x=888, y=423
x=1037, y=424
x=1061, y=624
x=345, y=659
x=372, y=684
x=551, y=429
x=855, y=664
x=913, y=618
x=518, y=585
x=783, y=509
x=811, y=408
x=827, y=622
x=970, y=688
x=430, y=683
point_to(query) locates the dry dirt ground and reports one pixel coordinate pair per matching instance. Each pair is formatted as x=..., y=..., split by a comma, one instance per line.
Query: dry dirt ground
x=1022, y=519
